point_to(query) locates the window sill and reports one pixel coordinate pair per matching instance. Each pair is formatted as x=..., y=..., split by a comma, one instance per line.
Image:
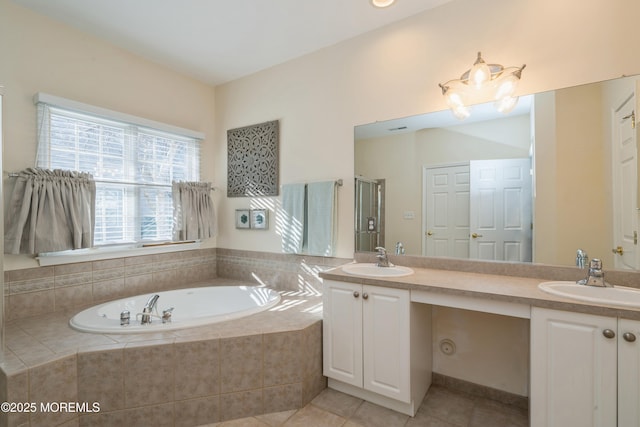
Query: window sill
x=97, y=254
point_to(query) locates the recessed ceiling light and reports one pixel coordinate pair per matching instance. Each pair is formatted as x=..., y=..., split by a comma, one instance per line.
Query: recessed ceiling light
x=382, y=3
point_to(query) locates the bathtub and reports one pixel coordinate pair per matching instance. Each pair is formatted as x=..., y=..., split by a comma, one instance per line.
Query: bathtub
x=191, y=307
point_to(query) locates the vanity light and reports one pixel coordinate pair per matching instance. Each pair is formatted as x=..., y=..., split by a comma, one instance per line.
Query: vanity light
x=382, y=3
x=480, y=82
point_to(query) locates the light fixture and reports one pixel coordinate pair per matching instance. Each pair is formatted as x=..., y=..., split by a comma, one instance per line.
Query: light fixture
x=481, y=82
x=382, y=3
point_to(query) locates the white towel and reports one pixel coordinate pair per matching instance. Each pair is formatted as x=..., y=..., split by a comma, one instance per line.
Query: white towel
x=321, y=218
x=293, y=206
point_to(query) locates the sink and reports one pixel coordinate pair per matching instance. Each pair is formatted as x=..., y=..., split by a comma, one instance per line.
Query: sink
x=372, y=270
x=618, y=295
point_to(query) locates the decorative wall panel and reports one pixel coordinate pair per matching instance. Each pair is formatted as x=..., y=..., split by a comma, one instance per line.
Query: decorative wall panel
x=252, y=163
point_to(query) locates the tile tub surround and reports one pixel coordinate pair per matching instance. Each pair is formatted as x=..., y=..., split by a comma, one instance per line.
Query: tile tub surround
x=267, y=362
x=41, y=290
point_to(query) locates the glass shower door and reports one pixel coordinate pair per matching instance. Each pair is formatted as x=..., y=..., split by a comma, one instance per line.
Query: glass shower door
x=369, y=214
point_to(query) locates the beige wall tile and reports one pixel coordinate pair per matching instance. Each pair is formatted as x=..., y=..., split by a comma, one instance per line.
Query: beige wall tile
x=240, y=363
x=283, y=358
x=53, y=382
x=241, y=404
x=149, y=375
x=73, y=296
x=197, y=369
x=282, y=397
x=30, y=304
x=197, y=412
x=101, y=379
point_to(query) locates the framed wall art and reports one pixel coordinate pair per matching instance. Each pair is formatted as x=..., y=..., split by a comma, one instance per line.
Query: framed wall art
x=260, y=219
x=243, y=218
x=252, y=160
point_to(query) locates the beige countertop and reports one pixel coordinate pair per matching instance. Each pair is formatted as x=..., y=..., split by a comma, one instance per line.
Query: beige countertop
x=519, y=290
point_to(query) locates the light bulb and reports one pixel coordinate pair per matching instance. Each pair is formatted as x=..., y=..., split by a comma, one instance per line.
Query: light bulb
x=382, y=3
x=480, y=73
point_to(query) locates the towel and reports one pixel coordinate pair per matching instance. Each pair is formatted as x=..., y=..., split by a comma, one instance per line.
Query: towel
x=321, y=218
x=293, y=206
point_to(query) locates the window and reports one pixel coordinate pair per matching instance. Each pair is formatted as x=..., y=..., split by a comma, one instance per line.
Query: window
x=133, y=165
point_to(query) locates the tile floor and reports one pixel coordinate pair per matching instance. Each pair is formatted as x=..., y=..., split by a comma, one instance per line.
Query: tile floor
x=441, y=407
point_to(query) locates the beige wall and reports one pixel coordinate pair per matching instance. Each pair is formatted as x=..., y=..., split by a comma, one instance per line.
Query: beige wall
x=40, y=55
x=394, y=72
x=319, y=98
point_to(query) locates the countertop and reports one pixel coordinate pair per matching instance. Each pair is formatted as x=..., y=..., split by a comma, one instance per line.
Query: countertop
x=519, y=290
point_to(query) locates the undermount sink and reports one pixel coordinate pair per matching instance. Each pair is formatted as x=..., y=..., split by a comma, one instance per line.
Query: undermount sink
x=372, y=270
x=618, y=295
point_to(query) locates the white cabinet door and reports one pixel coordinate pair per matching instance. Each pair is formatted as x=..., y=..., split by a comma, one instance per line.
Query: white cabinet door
x=386, y=338
x=628, y=373
x=342, y=332
x=573, y=369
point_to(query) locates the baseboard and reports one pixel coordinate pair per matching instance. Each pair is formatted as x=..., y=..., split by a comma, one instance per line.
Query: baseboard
x=480, y=391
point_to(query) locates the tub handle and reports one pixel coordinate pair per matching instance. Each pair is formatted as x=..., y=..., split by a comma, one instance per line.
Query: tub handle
x=125, y=318
x=166, y=315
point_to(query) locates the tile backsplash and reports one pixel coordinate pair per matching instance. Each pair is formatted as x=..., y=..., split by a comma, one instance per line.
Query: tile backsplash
x=40, y=290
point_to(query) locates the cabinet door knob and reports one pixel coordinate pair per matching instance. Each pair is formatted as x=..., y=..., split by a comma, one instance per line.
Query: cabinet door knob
x=629, y=337
x=608, y=333
x=365, y=296
x=356, y=294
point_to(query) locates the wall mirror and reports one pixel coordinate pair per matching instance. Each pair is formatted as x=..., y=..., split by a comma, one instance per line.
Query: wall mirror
x=557, y=174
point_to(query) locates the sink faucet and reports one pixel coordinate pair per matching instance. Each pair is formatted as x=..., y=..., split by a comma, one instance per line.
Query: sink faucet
x=383, y=260
x=148, y=308
x=595, y=276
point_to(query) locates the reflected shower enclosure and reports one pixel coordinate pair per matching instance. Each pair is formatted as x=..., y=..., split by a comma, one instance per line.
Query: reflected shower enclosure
x=369, y=214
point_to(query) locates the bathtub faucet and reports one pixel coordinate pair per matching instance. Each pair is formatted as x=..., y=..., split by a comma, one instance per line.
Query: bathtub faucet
x=148, y=309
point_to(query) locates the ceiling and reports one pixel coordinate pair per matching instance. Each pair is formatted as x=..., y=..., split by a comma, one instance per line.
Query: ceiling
x=217, y=41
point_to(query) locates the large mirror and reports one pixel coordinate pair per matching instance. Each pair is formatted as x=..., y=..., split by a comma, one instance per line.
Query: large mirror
x=557, y=174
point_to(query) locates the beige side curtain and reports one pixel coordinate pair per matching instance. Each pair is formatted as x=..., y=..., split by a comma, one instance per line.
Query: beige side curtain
x=193, y=213
x=49, y=211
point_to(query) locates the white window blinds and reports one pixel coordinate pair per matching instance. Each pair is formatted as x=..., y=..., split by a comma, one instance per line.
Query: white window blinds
x=133, y=167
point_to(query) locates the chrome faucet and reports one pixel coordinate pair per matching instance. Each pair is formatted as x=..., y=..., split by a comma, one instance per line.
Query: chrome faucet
x=399, y=248
x=383, y=260
x=582, y=258
x=595, y=276
x=149, y=307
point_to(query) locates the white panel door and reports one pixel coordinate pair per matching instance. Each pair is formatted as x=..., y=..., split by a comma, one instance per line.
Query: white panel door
x=500, y=210
x=625, y=186
x=342, y=331
x=573, y=370
x=386, y=338
x=628, y=372
x=446, y=211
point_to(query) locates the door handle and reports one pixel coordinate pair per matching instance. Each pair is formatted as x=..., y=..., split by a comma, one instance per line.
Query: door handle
x=429, y=233
x=476, y=235
x=619, y=250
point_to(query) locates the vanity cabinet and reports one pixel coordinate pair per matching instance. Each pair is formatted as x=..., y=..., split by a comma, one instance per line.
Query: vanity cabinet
x=585, y=370
x=377, y=344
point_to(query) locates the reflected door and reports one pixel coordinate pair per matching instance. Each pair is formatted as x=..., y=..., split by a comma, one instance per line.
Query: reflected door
x=625, y=186
x=500, y=210
x=446, y=208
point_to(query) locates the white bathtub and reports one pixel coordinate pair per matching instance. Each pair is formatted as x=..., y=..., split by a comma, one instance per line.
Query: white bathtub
x=191, y=307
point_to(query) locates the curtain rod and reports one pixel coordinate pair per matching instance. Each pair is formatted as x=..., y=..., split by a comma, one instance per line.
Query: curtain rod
x=15, y=175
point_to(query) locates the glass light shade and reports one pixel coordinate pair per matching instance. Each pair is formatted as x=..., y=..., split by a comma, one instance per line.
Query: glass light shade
x=480, y=73
x=382, y=3
x=506, y=104
x=457, y=101
x=506, y=86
